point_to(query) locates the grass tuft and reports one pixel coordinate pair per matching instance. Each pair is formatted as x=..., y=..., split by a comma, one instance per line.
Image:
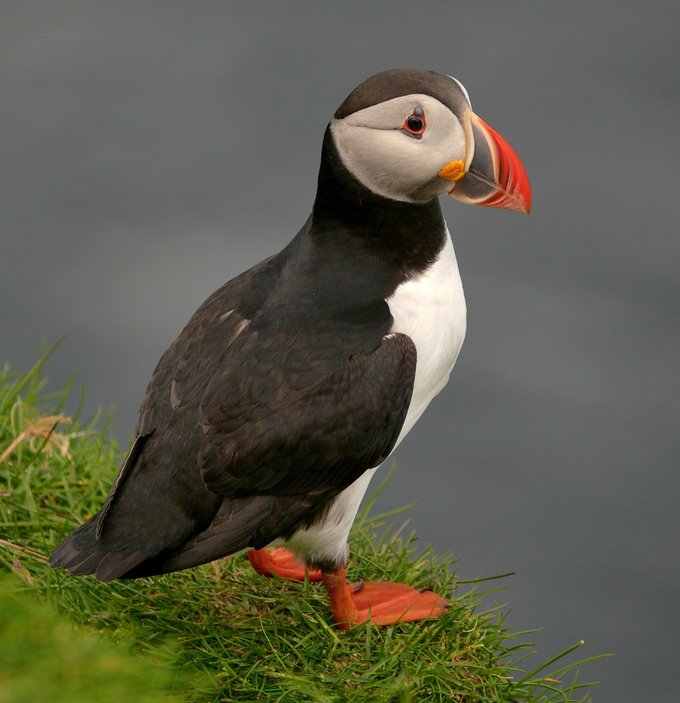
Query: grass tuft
x=225, y=633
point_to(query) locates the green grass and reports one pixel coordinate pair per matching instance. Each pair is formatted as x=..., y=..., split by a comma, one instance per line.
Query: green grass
x=220, y=632
x=43, y=660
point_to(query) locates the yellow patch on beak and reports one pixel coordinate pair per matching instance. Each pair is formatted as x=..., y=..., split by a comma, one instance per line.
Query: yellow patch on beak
x=453, y=171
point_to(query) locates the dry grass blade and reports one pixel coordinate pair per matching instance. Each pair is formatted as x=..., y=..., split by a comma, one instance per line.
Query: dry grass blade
x=23, y=550
x=42, y=428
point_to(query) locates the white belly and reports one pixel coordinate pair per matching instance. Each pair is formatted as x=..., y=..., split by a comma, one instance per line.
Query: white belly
x=431, y=310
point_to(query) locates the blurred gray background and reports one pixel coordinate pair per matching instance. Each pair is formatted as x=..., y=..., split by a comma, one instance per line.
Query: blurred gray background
x=150, y=151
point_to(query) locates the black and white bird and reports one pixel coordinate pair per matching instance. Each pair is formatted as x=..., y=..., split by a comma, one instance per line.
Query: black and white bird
x=265, y=420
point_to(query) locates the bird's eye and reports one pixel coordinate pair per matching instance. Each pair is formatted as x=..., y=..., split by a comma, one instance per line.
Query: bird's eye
x=414, y=125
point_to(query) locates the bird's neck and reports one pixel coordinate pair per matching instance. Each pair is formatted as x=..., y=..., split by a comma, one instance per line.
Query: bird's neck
x=406, y=237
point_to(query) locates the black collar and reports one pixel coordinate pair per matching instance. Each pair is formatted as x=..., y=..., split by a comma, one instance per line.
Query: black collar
x=406, y=237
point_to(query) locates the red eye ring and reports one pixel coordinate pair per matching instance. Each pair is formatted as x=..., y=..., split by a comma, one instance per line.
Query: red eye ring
x=415, y=124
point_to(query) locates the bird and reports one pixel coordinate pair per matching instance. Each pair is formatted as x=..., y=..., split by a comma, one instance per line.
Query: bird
x=265, y=420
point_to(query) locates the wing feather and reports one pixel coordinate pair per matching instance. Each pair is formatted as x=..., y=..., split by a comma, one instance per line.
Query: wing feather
x=300, y=440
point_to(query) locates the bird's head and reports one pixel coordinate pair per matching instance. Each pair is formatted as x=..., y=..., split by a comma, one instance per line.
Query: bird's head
x=411, y=135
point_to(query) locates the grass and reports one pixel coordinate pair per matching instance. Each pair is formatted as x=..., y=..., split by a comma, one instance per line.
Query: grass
x=43, y=660
x=220, y=632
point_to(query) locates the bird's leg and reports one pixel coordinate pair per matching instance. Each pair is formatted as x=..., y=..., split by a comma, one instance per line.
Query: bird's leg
x=281, y=562
x=381, y=603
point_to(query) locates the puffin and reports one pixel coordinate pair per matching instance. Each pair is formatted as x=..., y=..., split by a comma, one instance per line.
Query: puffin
x=265, y=420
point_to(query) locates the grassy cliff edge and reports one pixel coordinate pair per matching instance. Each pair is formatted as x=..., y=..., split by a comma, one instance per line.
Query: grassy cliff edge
x=221, y=632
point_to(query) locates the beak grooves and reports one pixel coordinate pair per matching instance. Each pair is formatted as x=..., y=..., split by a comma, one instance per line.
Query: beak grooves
x=495, y=176
x=514, y=191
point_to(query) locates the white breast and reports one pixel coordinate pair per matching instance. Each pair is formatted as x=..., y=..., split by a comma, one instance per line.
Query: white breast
x=430, y=309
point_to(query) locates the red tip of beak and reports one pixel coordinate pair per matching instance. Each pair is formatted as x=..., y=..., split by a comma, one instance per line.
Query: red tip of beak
x=514, y=191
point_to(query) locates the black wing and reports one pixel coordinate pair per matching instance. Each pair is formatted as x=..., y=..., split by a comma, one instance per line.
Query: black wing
x=284, y=438
x=278, y=464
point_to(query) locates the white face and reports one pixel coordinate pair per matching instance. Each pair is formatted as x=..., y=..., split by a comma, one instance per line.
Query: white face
x=394, y=163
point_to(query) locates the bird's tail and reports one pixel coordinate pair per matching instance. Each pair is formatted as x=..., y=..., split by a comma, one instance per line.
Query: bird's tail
x=81, y=553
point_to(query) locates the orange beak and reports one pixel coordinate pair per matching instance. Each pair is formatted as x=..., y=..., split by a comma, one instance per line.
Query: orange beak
x=494, y=177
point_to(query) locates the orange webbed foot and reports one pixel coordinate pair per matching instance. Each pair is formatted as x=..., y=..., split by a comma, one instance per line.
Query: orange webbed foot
x=381, y=603
x=281, y=562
